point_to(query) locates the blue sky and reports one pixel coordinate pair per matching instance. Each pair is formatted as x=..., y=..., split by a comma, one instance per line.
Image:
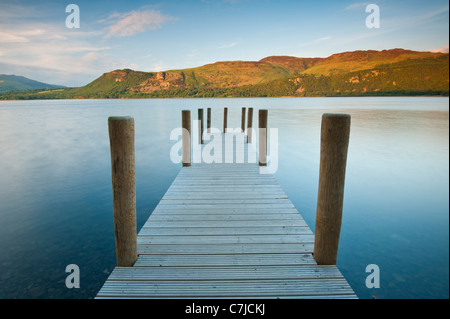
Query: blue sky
x=164, y=35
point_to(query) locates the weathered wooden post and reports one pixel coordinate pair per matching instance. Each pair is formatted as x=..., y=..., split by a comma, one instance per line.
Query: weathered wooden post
x=243, y=120
x=186, y=137
x=262, y=147
x=335, y=133
x=225, y=119
x=249, y=125
x=200, y=126
x=123, y=176
x=208, y=120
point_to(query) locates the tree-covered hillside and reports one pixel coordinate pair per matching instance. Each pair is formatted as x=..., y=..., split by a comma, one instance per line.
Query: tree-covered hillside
x=388, y=72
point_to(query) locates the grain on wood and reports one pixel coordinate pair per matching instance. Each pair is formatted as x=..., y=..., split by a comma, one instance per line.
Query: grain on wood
x=335, y=132
x=225, y=231
x=123, y=175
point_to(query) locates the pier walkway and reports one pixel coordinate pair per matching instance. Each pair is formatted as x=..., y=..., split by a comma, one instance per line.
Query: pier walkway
x=225, y=231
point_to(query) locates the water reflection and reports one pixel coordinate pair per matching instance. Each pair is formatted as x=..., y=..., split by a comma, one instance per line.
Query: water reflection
x=56, y=202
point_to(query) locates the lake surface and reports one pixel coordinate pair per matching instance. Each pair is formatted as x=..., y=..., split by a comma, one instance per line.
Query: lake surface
x=56, y=194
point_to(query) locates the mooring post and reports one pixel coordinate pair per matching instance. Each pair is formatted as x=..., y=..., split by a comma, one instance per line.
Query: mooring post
x=123, y=175
x=225, y=119
x=243, y=120
x=200, y=126
x=208, y=120
x=186, y=137
x=335, y=133
x=249, y=125
x=262, y=147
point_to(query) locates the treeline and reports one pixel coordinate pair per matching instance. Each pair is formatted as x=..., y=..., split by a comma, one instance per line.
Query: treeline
x=409, y=77
x=426, y=76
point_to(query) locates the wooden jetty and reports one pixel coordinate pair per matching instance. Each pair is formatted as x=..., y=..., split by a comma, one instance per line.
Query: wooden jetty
x=223, y=231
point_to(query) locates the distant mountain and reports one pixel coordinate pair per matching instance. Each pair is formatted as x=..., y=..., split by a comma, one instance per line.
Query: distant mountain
x=387, y=72
x=15, y=83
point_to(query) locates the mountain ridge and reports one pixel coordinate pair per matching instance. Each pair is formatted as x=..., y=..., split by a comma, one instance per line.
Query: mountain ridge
x=11, y=82
x=369, y=72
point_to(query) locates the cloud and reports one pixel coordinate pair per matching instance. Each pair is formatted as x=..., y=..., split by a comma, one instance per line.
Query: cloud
x=133, y=22
x=6, y=37
x=318, y=40
x=223, y=1
x=193, y=53
x=356, y=6
x=54, y=54
x=444, y=49
x=323, y=39
x=228, y=45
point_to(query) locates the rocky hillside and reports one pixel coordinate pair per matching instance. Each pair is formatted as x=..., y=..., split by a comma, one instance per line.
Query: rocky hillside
x=370, y=72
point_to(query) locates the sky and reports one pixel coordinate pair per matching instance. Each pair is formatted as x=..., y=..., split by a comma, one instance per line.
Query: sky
x=35, y=40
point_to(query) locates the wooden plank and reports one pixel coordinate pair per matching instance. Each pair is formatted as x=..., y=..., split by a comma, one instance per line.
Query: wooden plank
x=226, y=204
x=228, y=289
x=230, y=223
x=239, y=189
x=223, y=239
x=226, y=211
x=224, y=273
x=224, y=260
x=225, y=231
x=217, y=249
x=221, y=217
x=219, y=231
x=224, y=196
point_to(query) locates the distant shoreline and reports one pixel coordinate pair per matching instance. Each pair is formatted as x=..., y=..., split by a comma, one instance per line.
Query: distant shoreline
x=446, y=95
x=395, y=72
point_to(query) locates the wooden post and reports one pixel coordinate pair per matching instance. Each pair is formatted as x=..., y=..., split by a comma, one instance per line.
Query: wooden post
x=249, y=125
x=186, y=137
x=335, y=133
x=262, y=147
x=225, y=119
x=123, y=175
x=200, y=126
x=243, y=120
x=208, y=120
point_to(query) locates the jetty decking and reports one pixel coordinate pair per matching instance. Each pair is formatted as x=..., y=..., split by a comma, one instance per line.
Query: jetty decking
x=225, y=231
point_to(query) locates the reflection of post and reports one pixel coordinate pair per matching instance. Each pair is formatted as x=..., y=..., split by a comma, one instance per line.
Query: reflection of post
x=335, y=133
x=225, y=119
x=208, y=120
x=200, y=126
x=249, y=125
x=262, y=147
x=123, y=176
x=243, y=120
x=186, y=137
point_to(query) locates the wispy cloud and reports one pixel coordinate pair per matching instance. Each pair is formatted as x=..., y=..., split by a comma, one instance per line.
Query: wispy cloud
x=395, y=24
x=6, y=37
x=444, y=49
x=193, y=53
x=52, y=53
x=228, y=45
x=315, y=41
x=323, y=39
x=64, y=55
x=356, y=6
x=223, y=1
x=133, y=22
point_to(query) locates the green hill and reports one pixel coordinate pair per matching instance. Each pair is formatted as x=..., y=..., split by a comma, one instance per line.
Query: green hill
x=386, y=72
x=14, y=83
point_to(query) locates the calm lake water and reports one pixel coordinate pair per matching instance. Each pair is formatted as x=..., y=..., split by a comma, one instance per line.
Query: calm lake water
x=56, y=196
